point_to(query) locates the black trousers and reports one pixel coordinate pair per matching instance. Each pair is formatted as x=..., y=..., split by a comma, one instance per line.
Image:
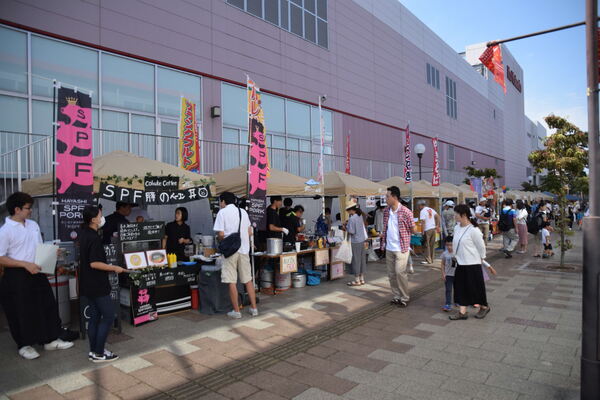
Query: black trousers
x=30, y=307
x=469, y=286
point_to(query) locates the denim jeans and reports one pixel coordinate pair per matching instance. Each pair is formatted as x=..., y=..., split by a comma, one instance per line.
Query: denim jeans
x=449, y=284
x=102, y=316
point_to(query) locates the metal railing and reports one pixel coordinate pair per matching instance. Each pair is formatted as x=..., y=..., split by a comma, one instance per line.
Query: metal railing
x=25, y=156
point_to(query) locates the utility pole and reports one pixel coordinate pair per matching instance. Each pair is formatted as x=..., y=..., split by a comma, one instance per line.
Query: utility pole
x=590, y=338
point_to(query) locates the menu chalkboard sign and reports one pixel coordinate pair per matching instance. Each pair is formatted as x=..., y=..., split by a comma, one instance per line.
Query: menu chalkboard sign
x=113, y=255
x=138, y=231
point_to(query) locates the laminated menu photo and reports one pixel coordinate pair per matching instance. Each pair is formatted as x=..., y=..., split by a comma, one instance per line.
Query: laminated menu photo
x=136, y=260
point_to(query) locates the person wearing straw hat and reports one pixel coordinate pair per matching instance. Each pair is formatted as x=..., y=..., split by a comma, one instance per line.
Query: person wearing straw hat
x=358, y=236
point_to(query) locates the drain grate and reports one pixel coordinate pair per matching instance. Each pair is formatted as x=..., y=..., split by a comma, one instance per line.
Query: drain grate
x=239, y=370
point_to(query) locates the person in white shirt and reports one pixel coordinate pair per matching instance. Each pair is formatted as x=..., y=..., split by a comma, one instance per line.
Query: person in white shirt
x=484, y=215
x=522, y=226
x=25, y=294
x=469, y=251
x=229, y=219
x=432, y=226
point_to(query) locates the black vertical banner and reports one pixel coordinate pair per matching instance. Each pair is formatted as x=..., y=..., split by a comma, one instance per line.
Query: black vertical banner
x=74, y=172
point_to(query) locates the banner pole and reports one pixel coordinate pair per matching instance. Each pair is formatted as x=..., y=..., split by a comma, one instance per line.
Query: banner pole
x=54, y=124
x=252, y=266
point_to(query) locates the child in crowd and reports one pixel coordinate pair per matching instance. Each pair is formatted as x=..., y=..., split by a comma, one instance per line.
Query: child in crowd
x=546, y=242
x=448, y=266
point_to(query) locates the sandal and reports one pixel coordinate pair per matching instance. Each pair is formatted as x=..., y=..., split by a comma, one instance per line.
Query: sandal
x=353, y=283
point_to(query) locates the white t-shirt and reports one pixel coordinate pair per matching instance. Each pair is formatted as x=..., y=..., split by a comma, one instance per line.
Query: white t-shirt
x=227, y=221
x=428, y=215
x=19, y=241
x=522, y=217
x=545, y=236
x=392, y=242
x=481, y=210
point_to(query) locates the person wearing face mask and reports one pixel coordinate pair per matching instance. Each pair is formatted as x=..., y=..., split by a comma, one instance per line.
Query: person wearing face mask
x=94, y=284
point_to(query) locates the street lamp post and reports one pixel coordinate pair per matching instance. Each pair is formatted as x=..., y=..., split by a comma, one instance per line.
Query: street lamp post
x=420, y=150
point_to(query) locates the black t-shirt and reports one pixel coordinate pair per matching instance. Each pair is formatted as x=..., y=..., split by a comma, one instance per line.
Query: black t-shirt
x=292, y=223
x=92, y=282
x=174, y=232
x=112, y=225
x=273, y=219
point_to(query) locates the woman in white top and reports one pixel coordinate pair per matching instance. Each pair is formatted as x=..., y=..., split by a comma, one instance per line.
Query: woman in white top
x=469, y=251
x=522, y=226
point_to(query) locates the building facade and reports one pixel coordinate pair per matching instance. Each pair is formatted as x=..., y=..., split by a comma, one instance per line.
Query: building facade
x=378, y=65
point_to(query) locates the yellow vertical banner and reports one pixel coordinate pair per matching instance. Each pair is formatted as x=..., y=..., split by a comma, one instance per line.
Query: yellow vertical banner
x=189, y=148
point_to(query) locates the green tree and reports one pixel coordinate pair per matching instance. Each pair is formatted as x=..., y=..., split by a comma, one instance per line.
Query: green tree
x=481, y=173
x=565, y=157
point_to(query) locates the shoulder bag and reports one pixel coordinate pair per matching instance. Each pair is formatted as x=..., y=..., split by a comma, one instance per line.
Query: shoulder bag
x=232, y=243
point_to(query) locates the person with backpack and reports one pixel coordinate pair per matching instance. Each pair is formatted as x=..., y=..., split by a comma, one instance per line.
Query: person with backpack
x=522, y=226
x=507, y=225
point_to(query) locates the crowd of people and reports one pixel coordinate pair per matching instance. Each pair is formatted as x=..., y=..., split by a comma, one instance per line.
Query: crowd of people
x=31, y=309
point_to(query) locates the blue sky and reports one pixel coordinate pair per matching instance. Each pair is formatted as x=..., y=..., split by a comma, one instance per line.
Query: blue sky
x=553, y=64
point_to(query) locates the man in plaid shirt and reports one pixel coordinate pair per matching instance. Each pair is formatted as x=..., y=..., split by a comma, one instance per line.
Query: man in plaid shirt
x=398, y=226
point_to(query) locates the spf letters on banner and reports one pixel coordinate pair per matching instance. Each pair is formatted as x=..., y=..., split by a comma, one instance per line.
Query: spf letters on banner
x=70, y=214
x=152, y=197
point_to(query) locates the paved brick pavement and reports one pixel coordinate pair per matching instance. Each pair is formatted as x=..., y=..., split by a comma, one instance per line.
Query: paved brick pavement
x=528, y=347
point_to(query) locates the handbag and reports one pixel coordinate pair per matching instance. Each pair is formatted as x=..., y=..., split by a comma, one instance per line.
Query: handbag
x=344, y=254
x=232, y=243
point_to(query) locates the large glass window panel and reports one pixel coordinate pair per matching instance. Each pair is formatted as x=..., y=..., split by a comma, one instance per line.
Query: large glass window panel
x=299, y=2
x=327, y=122
x=305, y=145
x=297, y=119
x=42, y=118
x=284, y=14
x=115, y=126
x=172, y=85
x=278, y=142
x=310, y=5
x=143, y=144
x=13, y=131
x=13, y=114
x=322, y=9
x=13, y=60
x=237, y=3
x=309, y=27
x=127, y=84
x=322, y=32
x=168, y=142
x=68, y=64
x=274, y=110
x=254, y=7
x=232, y=152
x=272, y=11
x=292, y=144
x=296, y=20
x=235, y=105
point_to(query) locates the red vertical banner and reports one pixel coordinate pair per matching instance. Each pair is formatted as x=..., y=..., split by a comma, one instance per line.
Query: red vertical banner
x=258, y=166
x=435, y=177
x=407, y=162
x=492, y=59
x=348, y=154
x=74, y=172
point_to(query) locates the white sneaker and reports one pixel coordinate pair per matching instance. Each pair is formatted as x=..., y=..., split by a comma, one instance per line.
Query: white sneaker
x=58, y=344
x=234, y=314
x=424, y=263
x=411, y=270
x=28, y=353
x=254, y=312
